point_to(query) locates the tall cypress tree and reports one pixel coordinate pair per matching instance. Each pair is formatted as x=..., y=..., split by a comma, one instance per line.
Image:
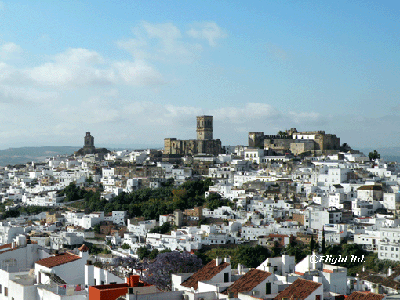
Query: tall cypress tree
x=312, y=244
x=323, y=241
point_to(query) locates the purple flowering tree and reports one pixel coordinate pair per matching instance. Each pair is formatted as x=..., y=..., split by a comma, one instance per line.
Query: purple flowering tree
x=160, y=270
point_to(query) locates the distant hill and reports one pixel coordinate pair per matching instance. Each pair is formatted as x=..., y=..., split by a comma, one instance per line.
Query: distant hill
x=13, y=156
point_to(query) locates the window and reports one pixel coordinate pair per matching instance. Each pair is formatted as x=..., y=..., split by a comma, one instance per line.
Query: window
x=1, y=289
x=226, y=277
x=6, y=292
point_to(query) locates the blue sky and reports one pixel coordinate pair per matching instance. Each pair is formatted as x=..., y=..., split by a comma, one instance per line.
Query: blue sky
x=135, y=72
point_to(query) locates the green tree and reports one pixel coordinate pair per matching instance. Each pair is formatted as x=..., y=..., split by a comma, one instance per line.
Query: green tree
x=296, y=250
x=96, y=228
x=142, y=252
x=153, y=254
x=312, y=244
x=282, y=133
x=276, y=250
x=125, y=246
x=374, y=155
x=249, y=256
x=323, y=246
x=214, y=200
x=163, y=229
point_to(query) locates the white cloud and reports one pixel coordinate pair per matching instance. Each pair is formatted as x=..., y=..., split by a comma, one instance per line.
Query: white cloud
x=167, y=32
x=181, y=111
x=209, y=31
x=138, y=73
x=10, y=48
x=305, y=117
x=6, y=71
x=165, y=41
x=251, y=111
x=76, y=67
x=21, y=94
x=95, y=110
x=80, y=68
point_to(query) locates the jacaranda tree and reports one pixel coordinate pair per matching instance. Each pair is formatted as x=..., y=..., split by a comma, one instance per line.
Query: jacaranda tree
x=160, y=270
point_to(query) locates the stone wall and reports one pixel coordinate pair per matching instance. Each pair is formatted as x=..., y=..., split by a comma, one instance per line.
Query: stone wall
x=282, y=144
x=192, y=147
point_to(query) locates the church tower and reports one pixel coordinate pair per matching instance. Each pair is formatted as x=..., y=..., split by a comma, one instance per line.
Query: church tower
x=88, y=140
x=204, y=127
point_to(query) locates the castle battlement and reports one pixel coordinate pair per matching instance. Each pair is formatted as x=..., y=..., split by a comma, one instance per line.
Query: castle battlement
x=295, y=142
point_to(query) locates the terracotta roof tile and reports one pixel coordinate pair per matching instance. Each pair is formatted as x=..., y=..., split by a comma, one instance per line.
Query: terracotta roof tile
x=6, y=246
x=57, y=260
x=205, y=273
x=327, y=271
x=365, y=296
x=278, y=235
x=384, y=281
x=248, y=281
x=83, y=248
x=299, y=289
x=370, y=188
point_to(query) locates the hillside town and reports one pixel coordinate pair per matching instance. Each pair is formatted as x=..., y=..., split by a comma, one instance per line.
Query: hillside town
x=296, y=215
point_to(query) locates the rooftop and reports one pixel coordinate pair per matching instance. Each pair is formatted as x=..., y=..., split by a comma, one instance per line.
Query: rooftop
x=299, y=289
x=57, y=260
x=248, y=282
x=365, y=296
x=206, y=273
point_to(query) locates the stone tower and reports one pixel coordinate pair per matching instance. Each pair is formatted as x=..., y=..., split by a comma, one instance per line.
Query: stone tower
x=204, y=127
x=88, y=141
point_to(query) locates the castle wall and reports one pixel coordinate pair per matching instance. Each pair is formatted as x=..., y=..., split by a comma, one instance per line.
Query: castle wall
x=278, y=144
x=296, y=142
x=299, y=147
x=256, y=139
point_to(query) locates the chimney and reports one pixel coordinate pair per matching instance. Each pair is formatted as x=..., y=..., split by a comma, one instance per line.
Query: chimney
x=239, y=268
x=218, y=261
x=389, y=271
x=134, y=280
x=227, y=259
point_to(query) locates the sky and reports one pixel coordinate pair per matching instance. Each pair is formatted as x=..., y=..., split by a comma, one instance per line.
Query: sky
x=135, y=72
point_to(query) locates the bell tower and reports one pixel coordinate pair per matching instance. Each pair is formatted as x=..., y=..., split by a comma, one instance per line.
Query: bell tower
x=89, y=140
x=204, y=127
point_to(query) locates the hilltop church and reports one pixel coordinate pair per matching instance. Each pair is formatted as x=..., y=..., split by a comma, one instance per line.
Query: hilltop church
x=204, y=144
